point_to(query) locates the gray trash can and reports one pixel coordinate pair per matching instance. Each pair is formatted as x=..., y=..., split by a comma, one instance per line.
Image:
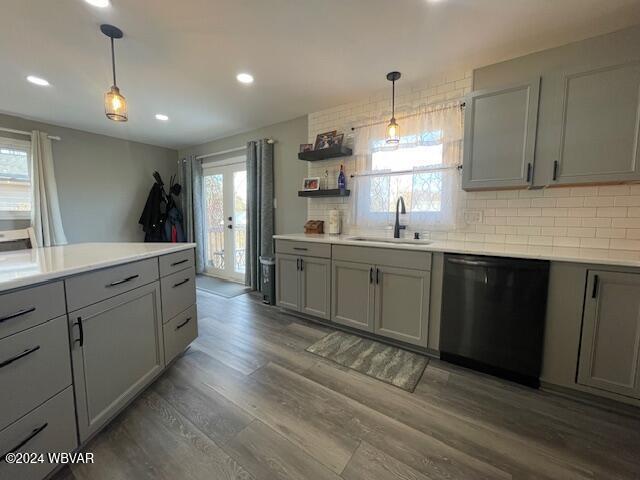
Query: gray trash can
x=268, y=280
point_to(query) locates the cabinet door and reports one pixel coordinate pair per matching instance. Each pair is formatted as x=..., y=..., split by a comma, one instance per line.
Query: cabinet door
x=500, y=136
x=117, y=350
x=352, y=294
x=315, y=287
x=600, y=126
x=287, y=281
x=610, y=347
x=402, y=304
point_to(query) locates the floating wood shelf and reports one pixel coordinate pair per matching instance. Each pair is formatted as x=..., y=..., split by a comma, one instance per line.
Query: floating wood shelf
x=323, y=154
x=332, y=192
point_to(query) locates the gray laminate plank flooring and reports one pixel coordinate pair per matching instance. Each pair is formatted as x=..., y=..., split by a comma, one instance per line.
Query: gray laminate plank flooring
x=248, y=401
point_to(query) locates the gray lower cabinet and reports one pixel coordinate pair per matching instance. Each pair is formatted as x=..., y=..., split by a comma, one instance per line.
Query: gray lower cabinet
x=610, y=345
x=389, y=301
x=353, y=294
x=500, y=137
x=304, y=284
x=50, y=428
x=402, y=304
x=600, y=127
x=116, y=350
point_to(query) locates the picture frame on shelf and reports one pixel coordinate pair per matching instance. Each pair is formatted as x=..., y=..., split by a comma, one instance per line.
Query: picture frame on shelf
x=324, y=140
x=311, y=184
x=306, y=147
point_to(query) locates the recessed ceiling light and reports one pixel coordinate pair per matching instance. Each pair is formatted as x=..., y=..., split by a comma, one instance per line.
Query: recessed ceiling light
x=38, y=81
x=162, y=116
x=98, y=3
x=244, y=78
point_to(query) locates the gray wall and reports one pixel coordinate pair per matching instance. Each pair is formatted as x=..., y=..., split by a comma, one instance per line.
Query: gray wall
x=103, y=181
x=291, y=211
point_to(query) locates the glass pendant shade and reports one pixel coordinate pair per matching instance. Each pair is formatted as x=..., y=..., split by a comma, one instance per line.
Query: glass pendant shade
x=393, y=133
x=115, y=105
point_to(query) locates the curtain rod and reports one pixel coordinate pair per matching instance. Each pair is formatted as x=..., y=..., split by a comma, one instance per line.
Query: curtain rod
x=23, y=132
x=230, y=150
x=380, y=173
x=423, y=109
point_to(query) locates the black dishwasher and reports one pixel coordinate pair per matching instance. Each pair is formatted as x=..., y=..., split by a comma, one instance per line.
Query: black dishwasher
x=493, y=315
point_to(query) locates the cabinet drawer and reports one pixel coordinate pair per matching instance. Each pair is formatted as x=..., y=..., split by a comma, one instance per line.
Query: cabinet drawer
x=29, y=307
x=309, y=249
x=383, y=256
x=179, y=332
x=34, y=366
x=89, y=288
x=49, y=428
x=174, y=262
x=178, y=293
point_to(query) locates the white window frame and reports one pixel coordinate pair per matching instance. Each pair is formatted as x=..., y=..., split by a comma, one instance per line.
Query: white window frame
x=18, y=144
x=448, y=188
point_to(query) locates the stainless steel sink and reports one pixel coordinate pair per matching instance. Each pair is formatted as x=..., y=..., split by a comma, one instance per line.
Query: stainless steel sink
x=406, y=241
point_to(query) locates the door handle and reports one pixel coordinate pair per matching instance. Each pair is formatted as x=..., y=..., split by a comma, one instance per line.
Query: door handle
x=555, y=169
x=28, y=351
x=301, y=264
x=371, y=275
x=230, y=218
x=183, y=323
x=19, y=313
x=124, y=280
x=80, y=339
x=297, y=264
x=529, y=168
x=33, y=433
x=377, y=275
x=230, y=227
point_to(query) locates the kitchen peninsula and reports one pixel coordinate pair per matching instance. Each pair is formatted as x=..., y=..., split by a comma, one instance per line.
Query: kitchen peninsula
x=90, y=325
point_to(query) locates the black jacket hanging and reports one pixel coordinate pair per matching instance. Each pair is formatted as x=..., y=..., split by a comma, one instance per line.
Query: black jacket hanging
x=153, y=216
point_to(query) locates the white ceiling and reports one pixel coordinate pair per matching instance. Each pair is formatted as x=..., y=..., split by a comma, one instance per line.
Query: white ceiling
x=180, y=57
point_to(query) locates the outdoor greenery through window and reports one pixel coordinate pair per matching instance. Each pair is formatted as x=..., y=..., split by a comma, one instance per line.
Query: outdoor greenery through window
x=15, y=179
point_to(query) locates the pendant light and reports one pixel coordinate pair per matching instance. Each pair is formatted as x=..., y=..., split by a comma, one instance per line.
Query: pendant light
x=393, y=130
x=115, y=105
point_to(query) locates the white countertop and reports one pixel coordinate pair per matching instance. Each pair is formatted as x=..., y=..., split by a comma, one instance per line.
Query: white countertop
x=20, y=268
x=559, y=254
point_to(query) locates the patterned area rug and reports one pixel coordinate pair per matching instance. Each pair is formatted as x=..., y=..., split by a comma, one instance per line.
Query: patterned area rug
x=382, y=362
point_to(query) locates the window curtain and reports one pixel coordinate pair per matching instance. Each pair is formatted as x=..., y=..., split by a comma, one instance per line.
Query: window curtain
x=260, y=215
x=45, y=208
x=430, y=188
x=192, y=204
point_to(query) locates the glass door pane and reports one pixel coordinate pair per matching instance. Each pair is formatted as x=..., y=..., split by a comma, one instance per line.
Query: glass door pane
x=239, y=219
x=214, y=221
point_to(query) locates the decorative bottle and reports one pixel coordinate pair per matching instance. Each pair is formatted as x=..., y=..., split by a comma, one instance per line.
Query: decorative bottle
x=342, y=181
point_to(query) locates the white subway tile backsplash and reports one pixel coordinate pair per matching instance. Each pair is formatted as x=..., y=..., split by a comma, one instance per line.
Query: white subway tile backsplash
x=593, y=217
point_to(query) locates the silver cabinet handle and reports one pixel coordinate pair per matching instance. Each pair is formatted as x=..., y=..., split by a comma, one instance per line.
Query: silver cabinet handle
x=19, y=313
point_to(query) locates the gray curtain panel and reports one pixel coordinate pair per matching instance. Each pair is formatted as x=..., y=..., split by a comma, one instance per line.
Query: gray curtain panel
x=260, y=219
x=192, y=206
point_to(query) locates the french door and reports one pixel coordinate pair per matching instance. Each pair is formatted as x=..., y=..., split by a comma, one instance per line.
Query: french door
x=225, y=218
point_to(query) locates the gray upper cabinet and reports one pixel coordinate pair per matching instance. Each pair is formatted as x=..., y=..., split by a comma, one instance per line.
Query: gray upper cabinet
x=402, y=304
x=116, y=350
x=610, y=346
x=600, y=126
x=352, y=295
x=500, y=137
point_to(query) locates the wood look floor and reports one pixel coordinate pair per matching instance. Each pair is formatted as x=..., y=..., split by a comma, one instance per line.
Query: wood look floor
x=248, y=402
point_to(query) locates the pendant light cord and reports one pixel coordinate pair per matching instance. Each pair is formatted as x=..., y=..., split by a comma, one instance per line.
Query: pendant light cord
x=113, y=63
x=393, y=99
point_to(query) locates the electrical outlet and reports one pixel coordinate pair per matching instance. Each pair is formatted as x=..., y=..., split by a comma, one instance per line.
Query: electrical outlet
x=472, y=217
